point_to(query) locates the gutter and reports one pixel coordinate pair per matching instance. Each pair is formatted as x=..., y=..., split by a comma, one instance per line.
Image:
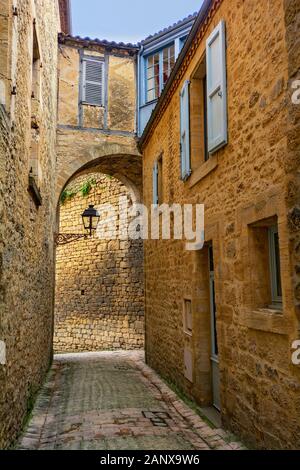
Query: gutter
x=203, y=13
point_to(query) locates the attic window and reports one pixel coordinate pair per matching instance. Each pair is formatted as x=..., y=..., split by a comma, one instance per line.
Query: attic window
x=158, y=69
x=93, y=81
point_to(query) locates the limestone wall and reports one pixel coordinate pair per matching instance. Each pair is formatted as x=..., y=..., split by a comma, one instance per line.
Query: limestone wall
x=99, y=283
x=248, y=181
x=26, y=230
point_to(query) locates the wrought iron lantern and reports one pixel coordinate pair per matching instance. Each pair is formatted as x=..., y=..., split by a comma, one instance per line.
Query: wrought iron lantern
x=90, y=219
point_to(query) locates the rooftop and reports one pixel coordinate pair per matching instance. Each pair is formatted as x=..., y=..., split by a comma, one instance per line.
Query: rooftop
x=100, y=42
x=164, y=31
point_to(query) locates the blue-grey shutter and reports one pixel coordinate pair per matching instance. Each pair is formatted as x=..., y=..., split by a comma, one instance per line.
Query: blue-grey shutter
x=216, y=88
x=185, y=131
x=155, y=184
x=93, y=81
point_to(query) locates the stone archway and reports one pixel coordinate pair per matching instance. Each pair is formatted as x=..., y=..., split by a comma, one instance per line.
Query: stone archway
x=99, y=300
x=116, y=155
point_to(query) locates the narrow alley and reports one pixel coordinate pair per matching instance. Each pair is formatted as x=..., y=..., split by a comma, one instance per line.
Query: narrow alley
x=113, y=401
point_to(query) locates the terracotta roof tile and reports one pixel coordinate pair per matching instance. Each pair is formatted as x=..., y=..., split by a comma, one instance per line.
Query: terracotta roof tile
x=169, y=28
x=102, y=42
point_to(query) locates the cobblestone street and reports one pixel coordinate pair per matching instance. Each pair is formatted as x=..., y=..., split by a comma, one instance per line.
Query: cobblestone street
x=113, y=401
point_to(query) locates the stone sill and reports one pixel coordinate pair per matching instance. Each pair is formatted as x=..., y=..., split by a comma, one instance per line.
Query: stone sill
x=203, y=170
x=85, y=103
x=266, y=319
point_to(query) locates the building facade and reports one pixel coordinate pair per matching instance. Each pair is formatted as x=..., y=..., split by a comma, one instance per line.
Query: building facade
x=28, y=102
x=221, y=321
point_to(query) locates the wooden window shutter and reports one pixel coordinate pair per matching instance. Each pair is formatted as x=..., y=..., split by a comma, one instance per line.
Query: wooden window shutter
x=93, y=82
x=185, y=131
x=216, y=88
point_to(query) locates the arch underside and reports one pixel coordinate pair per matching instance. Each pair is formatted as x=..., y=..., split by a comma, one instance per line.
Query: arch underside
x=87, y=152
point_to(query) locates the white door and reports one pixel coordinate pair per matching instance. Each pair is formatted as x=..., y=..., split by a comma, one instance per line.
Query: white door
x=214, y=338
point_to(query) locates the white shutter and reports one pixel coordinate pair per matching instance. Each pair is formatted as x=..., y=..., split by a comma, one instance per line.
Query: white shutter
x=155, y=184
x=93, y=82
x=216, y=88
x=185, y=131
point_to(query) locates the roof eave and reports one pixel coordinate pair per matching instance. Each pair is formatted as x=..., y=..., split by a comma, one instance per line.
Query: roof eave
x=85, y=42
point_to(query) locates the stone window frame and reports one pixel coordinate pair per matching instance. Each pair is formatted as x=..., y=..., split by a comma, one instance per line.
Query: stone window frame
x=36, y=103
x=263, y=212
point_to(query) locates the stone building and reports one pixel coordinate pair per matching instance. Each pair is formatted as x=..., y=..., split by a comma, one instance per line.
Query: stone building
x=28, y=103
x=221, y=321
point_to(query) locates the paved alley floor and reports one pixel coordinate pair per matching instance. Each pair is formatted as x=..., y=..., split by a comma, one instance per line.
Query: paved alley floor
x=113, y=401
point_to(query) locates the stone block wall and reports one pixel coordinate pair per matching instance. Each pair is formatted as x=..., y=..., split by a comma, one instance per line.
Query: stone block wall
x=26, y=230
x=99, y=283
x=251, y=180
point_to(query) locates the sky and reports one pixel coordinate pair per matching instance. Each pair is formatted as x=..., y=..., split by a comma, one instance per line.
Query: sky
x=127, y=20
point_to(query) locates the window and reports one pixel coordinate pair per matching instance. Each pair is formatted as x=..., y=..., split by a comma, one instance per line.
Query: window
x=198, y=115
x=158, y=182
x=203, y=108
x=187, y=317
x=36, y=66
x=158, y=69
x=185, y=131
x=93, y=81
x=275, y=273
x=153, y=82
x=35, y=168
x=264, y=265
x=155, y=184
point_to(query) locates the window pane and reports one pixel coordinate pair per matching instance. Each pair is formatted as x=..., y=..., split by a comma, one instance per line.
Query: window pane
x=153, y=77
x=168, y=62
